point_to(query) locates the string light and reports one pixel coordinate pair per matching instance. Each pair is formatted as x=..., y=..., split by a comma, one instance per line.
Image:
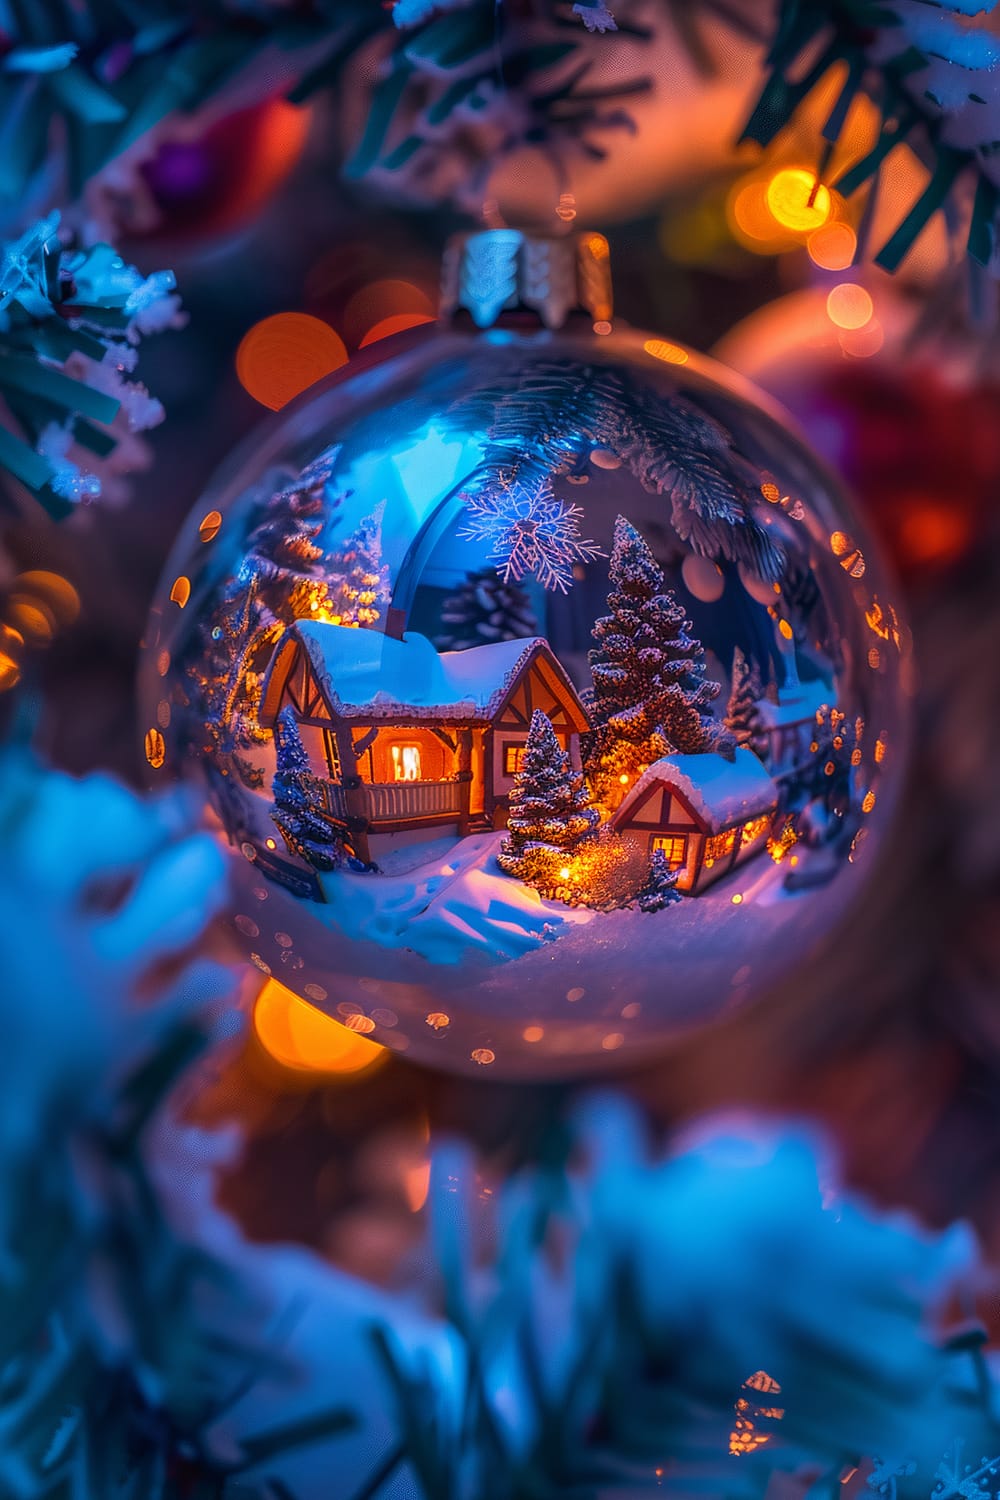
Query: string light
x=797, y=201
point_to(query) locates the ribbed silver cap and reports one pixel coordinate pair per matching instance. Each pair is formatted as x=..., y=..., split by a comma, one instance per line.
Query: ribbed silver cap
x=493, y=271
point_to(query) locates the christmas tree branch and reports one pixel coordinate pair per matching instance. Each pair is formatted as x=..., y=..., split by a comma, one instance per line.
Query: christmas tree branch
x=71, y=322
x=933, y=80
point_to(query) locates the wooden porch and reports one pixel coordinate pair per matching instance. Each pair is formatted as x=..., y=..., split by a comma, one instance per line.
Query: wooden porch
x=394, y=801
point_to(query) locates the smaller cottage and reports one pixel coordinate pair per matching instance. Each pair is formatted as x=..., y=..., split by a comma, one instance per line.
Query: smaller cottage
x=791, y=722
x=707, y=814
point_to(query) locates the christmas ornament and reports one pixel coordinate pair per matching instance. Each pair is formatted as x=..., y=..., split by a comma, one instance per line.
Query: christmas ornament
x=530, y=846
x=914, y=432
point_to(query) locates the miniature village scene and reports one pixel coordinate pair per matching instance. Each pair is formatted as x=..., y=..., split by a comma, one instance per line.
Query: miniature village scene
x=466, y=714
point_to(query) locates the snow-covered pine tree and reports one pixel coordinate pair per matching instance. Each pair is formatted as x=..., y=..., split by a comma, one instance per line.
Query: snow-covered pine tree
x=661, y=888
x=485, y=609
x=355, y=588
x=743, y=717
x=305, y=831
x=834, y=755
x=650, y=693
x=550, y=814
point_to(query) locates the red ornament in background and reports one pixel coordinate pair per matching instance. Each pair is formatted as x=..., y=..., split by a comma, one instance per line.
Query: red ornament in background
x=923, y=455
x=206, y=179
x=913, y=433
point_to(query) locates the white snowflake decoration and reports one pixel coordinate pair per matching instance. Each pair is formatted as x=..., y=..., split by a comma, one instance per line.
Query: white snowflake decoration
x=885, y=1476
x=532, y=532
x=957, y=1480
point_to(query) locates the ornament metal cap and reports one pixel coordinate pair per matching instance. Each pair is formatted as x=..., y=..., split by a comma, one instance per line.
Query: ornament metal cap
x=496, y=271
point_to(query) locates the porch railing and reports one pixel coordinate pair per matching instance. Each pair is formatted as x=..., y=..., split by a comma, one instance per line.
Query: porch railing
x=387, y=802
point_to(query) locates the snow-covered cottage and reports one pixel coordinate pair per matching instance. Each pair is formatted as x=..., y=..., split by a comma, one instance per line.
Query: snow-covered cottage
x=705, y=813
x=408, y=742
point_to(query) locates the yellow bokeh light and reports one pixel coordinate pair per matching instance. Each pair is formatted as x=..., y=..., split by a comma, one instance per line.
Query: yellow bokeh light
x=533, y=1033
x=671, y=354
x=483, y=1056
x=797, y=201
x=437, y=1020
x=297, y=1035
x=849, y=305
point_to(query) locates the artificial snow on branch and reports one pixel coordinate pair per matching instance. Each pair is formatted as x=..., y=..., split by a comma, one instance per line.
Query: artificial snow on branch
x=71, y=322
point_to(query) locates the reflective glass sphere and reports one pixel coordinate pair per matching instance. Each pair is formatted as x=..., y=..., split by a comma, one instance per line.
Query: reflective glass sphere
x=545, y=688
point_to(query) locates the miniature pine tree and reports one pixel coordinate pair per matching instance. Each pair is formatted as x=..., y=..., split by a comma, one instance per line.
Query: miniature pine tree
x=743, y=717
x=485, y=609
x=303, y=828
x=649, y=684
x=835, y=752
x=549, y=806
x=661, y=888
x=355, y=589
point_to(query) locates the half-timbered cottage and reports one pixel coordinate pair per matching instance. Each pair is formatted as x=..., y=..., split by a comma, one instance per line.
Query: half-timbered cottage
x=408, y=742
x=706, y=814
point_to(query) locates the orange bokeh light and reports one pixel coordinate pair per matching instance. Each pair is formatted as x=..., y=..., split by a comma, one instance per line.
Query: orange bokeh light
x=849, y=305
x=299, y=1036
x=398, y=323
x=285, y=354
x=932, y=531
x=56, y=592
x=379, y=301
x=833, y=246
x=797, y=201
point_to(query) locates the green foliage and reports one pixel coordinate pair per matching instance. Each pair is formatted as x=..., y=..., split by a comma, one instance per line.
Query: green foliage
x=933, y=80
x=542, y=420
x=70, y=325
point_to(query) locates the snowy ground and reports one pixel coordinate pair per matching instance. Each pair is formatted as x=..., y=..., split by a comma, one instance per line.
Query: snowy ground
x=531, y=986
x=457, y=906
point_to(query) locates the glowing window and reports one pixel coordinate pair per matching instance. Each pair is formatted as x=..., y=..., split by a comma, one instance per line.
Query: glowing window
x=754, y=829
x=719, y=845
x=674, y=847
x=406, y=762
x=513, y=759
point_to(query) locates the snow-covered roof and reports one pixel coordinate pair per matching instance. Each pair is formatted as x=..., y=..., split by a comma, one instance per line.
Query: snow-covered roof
x=366, y=674
x=795, y=704
x=720, y=792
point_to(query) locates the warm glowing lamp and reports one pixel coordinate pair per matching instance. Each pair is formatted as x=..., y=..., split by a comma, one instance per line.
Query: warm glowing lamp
x=299, y=1036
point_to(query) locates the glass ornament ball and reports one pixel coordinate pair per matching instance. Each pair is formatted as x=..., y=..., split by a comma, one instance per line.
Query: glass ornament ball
x=549, y=695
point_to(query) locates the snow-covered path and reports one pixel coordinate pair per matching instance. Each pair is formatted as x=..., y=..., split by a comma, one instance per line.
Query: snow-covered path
x=455, y=907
